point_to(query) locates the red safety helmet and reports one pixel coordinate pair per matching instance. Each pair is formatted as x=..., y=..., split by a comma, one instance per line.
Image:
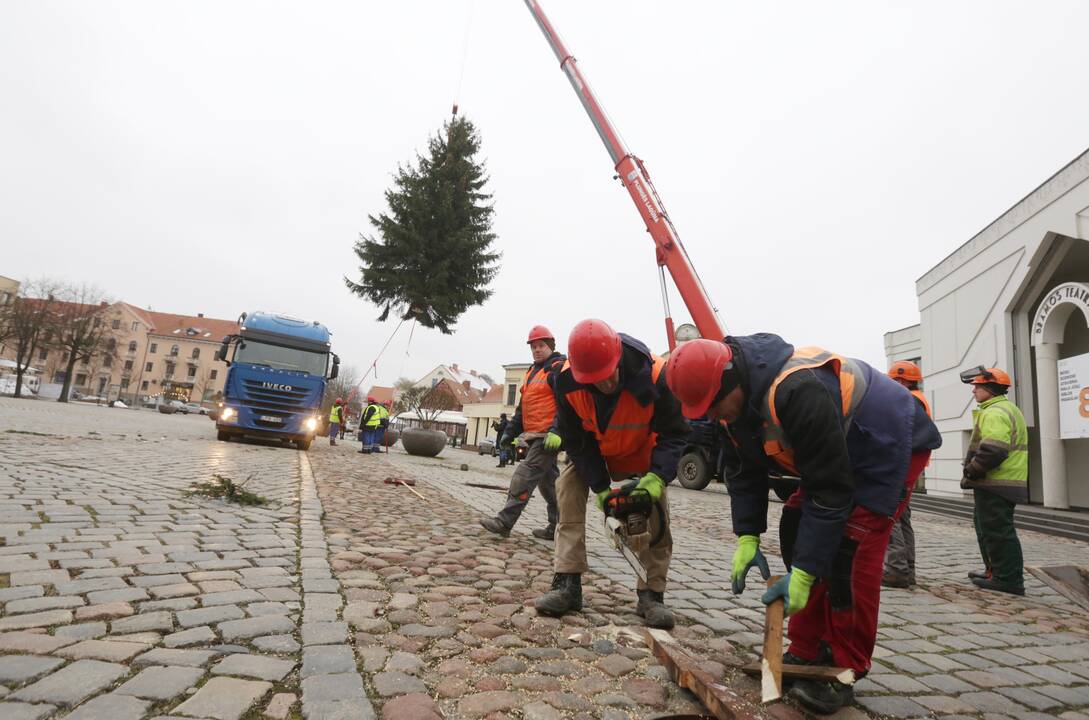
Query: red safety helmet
x=694, y=374
x=985, y=376
x=338, y=401
x=370, y=399
x=905, y=370
x=540, y=332
x=593, y=350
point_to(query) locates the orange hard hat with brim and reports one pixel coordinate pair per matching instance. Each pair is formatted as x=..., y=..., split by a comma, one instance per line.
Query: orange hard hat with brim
x=694, y=374
x=593, y=351
x=985, y=376
x=905, y=370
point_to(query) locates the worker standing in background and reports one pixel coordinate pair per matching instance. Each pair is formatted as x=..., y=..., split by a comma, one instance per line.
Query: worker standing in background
x=368, y=424
x=535, y=422
x=996, y=471
x=500, y=427
x=336, y=419
x=618, y=420
x=900, y=556
x=856, y=440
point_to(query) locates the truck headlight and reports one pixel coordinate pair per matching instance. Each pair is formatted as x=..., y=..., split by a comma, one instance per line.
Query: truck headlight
x=226, y=413
x=312, y=423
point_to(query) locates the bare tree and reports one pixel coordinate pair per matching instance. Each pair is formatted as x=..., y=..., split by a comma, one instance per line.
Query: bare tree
x=86, y=329
x=400, y=387
x=29, y=321
x=427, y=402
x=340, y=387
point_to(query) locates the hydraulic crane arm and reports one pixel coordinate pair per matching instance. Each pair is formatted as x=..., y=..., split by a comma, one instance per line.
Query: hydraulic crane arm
x=629, y=169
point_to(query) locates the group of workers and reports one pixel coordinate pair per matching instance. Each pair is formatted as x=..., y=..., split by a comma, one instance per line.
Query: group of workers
x=856, y=438
x=373, y=422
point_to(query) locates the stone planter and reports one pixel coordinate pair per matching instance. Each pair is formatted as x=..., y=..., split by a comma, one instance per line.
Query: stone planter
x=426, y=443
x=167, y=409
x=391, y=438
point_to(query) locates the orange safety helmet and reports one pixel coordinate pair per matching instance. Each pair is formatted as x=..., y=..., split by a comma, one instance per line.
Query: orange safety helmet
x=985, y=376
x=540, y=332
x=694, y=374
x=905, y=370
x=593, y=350
x=338, y=401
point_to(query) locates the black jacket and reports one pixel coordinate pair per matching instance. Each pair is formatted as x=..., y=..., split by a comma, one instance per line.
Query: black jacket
x=636, y=378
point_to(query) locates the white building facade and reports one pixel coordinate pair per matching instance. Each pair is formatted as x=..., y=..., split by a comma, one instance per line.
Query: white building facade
x=1015, y=296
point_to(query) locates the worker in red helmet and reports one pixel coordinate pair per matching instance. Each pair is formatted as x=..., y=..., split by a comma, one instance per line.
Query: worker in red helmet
x=370, y=422
x=533, y=424
x=900, y=556
x=617, y=419
x=856, y=440
x=336, y=418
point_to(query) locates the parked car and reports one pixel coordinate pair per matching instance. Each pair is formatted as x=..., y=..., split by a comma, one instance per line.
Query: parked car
x=487, y=445
x=192, y=408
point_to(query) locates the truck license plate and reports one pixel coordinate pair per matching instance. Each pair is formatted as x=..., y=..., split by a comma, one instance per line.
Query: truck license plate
x=272, y=418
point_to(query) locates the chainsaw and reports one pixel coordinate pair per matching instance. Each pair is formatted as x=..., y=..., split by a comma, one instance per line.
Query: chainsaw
x=627, y=515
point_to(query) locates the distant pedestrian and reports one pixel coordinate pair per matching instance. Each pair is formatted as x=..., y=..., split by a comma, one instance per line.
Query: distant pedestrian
x=996, y=471
x=336, y=418
x=368, y=425
x=900, y=555
x=502, y=442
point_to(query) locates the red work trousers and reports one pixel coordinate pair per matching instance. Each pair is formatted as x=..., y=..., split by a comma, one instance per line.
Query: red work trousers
x=851, y=631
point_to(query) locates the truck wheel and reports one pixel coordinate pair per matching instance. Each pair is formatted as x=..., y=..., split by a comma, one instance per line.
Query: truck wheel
x=303, y=445
x=692, y=471
x=223, y=435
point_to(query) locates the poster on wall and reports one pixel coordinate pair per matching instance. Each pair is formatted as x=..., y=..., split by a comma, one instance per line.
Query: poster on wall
x=1074, y=397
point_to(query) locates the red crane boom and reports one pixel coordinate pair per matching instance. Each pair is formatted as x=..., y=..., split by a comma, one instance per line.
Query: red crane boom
x=669, y=251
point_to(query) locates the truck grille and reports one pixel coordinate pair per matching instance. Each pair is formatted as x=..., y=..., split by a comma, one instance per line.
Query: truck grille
x=272, y=403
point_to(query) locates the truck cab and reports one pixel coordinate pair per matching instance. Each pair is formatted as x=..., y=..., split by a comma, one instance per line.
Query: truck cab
x=278, y=367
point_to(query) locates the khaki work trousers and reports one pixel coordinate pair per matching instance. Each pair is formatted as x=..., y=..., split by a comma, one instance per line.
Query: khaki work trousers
x=571, y=495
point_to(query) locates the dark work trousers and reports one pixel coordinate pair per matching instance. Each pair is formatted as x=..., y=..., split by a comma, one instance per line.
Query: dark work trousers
x=900, y=557
x=998, y=543
x=843, y=608
x=537, y=470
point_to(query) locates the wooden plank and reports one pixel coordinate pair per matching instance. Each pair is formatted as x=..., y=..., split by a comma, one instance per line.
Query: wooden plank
x=771, y=665
x=723, y=702
x=806, y=672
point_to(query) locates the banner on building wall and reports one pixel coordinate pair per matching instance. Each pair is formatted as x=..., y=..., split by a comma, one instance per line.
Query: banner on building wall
x=1074, y=397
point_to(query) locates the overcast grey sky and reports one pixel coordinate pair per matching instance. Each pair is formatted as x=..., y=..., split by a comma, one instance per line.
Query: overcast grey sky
x=816, y=158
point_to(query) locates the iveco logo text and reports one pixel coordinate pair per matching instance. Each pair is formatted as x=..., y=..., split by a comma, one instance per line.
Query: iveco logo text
x=277, y=386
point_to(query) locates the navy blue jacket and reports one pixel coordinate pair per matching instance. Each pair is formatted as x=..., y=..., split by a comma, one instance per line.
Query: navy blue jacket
x=637, y=379
x=866, y=465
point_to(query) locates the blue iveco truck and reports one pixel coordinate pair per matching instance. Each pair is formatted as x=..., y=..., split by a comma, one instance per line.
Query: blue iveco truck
x=276, y=379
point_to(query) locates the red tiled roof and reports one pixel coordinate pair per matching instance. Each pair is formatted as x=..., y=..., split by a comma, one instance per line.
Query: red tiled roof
x=171, y=325
x=380, y=393
x=494, y=395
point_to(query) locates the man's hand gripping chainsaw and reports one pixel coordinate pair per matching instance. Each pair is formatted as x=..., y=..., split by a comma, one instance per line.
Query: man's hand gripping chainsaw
x=627, y=522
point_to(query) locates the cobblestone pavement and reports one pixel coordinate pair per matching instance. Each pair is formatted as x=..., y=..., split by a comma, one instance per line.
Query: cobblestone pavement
x=344, y=597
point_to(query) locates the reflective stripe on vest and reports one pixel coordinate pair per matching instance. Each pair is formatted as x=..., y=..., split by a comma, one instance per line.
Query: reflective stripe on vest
x=626, y=444
x=376, y=416
x=334, y=414
x=538, y=401
x=852, y=388
x=1014, y=469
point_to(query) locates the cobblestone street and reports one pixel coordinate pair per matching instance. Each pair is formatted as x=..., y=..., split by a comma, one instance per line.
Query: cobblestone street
x=346, y=597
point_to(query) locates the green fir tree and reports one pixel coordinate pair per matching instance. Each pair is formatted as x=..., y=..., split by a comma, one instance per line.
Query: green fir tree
x=432, y=258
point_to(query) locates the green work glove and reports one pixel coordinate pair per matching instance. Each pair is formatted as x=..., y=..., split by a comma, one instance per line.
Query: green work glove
x=793, y=588
x=519, y=442
x=747, y=554
x=552, y=442
x=653, y=486
x=602, y=497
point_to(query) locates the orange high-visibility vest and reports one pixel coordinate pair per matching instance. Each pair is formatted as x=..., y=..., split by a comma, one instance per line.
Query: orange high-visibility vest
x=626, y=444
x=922, y=398
x=852, y=387
x=538, y=400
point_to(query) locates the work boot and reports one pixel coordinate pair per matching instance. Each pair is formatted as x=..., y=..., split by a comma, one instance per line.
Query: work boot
x=896, y=580
x=653, y=610
x=989, y=583
x=565, y=595
x=332, y=441
x=545, y=533
x=493, y=525
x=823, y=696
x=979, y=574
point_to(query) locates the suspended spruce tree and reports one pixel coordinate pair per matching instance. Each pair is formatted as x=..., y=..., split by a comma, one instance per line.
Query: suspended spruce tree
x=431, y=258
